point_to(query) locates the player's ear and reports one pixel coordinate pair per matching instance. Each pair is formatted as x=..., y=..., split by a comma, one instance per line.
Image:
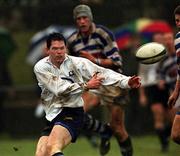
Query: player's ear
x=46, y=50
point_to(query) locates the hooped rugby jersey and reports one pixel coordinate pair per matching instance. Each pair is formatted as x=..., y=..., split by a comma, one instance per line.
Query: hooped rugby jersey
x=100, y=43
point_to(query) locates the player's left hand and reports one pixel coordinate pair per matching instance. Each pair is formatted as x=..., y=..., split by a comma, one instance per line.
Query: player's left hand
x=134, y=82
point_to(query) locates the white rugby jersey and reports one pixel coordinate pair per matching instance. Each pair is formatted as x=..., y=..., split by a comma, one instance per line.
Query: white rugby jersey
x=61, y=87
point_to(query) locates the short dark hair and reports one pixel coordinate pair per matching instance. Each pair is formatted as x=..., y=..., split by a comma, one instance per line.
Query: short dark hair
x=177, y=10
x=54, y=37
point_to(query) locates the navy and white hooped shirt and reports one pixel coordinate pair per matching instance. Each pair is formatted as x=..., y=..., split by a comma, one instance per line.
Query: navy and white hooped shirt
x=100, y=43
x=177, y=47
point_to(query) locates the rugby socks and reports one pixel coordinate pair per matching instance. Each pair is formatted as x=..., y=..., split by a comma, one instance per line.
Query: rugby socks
x=58, y=154
x=168, y=129
x=96, y=126
x=126, y=147
x=163, y=137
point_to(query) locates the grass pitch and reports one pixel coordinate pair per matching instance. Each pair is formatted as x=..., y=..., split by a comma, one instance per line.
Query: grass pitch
x=143, y=146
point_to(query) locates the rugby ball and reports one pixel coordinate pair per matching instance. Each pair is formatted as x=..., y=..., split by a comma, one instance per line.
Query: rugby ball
x=150, y=53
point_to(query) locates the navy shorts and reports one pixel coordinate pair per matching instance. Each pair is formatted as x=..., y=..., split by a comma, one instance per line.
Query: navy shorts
x=155, y=95
x=70, y=118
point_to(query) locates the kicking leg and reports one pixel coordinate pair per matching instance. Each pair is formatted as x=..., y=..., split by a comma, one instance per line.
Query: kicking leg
x=41, y=146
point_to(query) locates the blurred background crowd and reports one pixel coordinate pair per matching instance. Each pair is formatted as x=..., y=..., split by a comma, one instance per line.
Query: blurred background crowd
x=24, y=25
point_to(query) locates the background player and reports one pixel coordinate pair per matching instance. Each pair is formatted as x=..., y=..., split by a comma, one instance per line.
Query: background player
x=96, y=43
x=173, y=99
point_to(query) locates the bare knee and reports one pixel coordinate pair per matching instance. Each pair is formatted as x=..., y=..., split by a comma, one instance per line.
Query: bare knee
x=119, y=130
x=117, y=123
x=158, y=115
x=41, y=146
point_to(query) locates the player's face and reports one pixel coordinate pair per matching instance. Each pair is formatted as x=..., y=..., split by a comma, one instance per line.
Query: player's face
x=57, y=52
x=84, y=24
x=177, y=20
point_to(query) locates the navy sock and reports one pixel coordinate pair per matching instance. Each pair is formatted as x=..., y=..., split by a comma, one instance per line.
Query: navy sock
x=58, y=154
x=163, y=137
x=168, y=129
x=94, y=125
x=126, y=147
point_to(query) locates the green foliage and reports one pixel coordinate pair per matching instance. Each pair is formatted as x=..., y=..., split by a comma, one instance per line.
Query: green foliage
x=21, y=72
x=143, y=146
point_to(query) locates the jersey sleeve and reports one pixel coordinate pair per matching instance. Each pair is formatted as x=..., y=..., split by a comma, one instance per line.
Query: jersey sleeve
x=111, y=78
x=111, y=49
x=55, y=84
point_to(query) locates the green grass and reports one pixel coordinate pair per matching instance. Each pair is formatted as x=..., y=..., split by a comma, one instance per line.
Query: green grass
x=143, y=146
